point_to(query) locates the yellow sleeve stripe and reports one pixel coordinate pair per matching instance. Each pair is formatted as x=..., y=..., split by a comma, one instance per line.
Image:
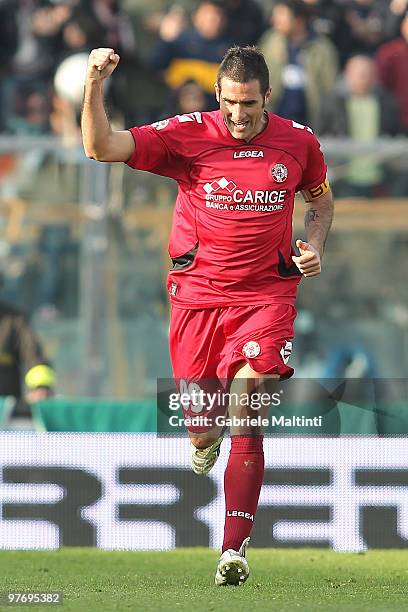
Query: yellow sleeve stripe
x=316, y=192
x=40, y=376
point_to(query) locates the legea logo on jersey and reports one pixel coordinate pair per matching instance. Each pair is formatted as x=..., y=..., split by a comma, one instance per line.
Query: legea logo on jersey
x=224, y=194
x=253, y=153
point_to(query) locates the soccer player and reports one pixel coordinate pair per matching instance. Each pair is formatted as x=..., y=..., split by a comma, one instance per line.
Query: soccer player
x=235, y=274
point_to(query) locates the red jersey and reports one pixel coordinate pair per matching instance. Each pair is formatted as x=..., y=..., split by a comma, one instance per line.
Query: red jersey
x=232, y=225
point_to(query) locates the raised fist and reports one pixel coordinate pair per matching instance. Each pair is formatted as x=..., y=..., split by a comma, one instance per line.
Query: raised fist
x=102, y=62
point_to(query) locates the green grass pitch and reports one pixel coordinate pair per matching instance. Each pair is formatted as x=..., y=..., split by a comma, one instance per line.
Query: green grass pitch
x=287, y=580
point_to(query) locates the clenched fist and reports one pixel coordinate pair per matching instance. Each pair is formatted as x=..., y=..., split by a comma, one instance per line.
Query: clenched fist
x=101, y=63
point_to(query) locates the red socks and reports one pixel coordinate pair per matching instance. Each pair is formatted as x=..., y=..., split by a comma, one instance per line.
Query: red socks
x=242, y=484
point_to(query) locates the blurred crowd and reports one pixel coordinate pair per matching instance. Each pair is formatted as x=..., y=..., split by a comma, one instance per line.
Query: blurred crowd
x=341, y=66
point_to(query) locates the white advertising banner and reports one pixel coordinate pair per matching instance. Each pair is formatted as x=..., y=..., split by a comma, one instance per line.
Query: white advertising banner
x=136, y=491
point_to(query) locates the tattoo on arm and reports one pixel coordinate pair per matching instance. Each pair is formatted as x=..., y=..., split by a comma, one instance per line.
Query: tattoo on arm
x=311, y=215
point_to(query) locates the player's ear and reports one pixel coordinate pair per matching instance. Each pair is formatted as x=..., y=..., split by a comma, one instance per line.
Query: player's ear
x=267, y=96
x=217, y=91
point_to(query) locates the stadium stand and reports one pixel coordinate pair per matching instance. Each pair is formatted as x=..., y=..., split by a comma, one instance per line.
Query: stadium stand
x=90, y=415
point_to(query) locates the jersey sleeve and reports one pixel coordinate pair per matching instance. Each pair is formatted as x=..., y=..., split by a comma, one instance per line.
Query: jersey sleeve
x=158, y=149
x=315, y=169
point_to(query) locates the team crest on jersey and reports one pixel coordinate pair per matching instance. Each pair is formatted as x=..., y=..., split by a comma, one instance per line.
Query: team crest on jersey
x=251, y=349
x=279, y=173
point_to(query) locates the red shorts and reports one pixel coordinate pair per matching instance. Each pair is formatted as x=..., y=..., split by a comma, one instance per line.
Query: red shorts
x=211, y=344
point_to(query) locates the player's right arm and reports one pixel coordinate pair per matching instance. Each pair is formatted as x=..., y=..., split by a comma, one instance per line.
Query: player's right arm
x=100, y=141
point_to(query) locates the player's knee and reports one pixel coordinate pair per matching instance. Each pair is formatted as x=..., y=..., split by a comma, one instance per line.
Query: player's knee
x=248, y=380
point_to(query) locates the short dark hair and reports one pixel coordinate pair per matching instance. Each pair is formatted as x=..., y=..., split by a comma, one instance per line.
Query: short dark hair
x=243, y=64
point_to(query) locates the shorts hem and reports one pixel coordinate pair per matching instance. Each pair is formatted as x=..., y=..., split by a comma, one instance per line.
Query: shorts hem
x=234, y=304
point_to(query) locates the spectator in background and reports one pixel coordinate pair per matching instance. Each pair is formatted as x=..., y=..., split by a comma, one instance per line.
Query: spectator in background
x=328, y=18
x=366, y=19
x=396, y=11
x=8, y=46
x=78, y=35
x=303, y=66
x=188, y=98
x=37, y=33
x=31, y=113
x=359, y=109
x=119, y=31
x=25, y=373
x=39, y=29
x=102, y=20
x=80, y=32
x=194, y=53
x=245, y=21
x=134, y=91
x=90, y=23
x=392, y=65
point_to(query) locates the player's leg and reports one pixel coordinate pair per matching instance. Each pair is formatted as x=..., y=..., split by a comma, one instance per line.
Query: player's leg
x=244, y=473
x=260, y=346
x=205, y=445
x=196, y=340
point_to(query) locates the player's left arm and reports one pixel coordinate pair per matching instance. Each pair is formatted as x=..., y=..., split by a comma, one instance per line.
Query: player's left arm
x=318, y=220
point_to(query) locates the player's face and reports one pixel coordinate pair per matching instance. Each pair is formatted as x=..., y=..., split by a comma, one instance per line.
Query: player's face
x=242, y=105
